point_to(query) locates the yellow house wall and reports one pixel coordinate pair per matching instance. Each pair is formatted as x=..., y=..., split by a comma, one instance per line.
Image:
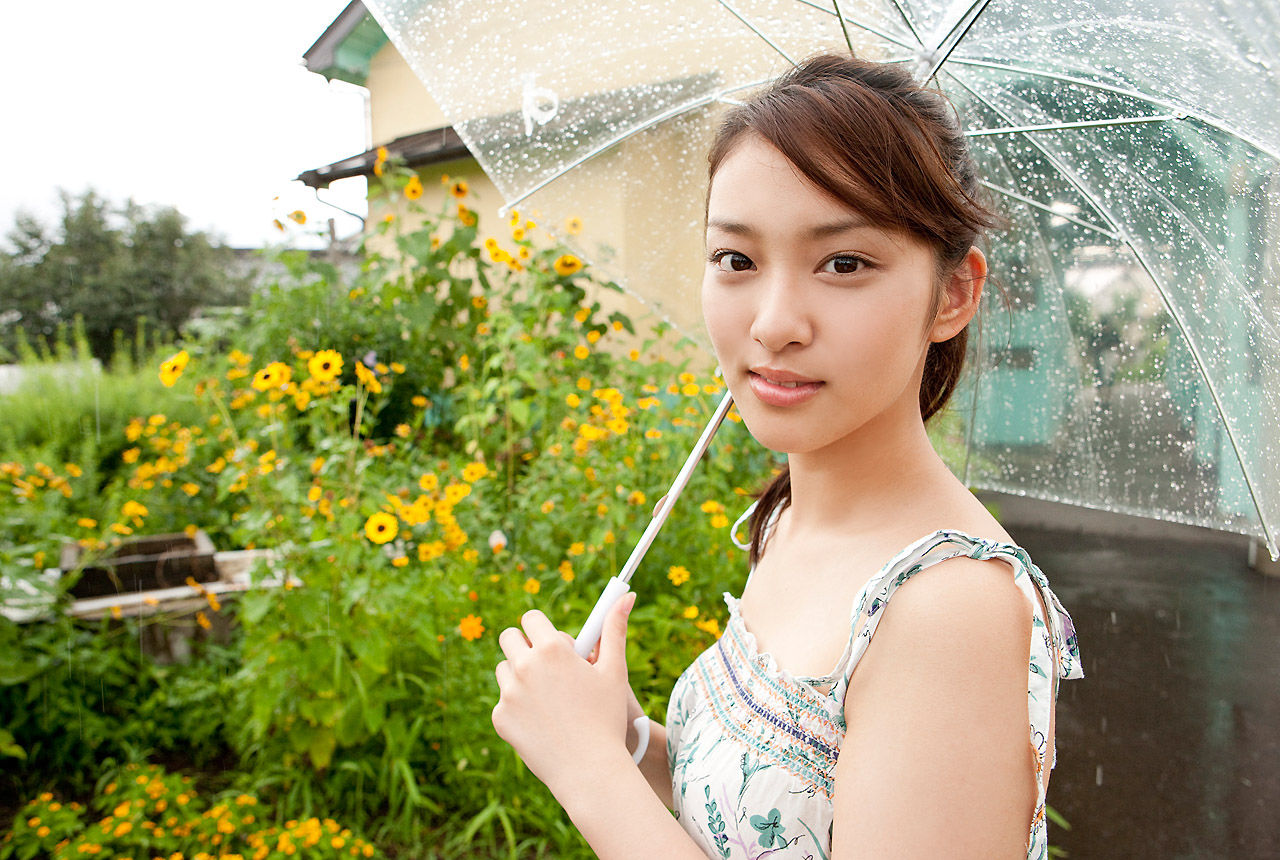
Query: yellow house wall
x=398, y=102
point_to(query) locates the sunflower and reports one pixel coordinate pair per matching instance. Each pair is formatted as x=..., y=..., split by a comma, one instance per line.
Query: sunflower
x=381, y=527
x=368, y=379
x=566, y=264
x=274, y=375
x=459, y=189
x=413, y=189
x=325, y=365
x=171, y=368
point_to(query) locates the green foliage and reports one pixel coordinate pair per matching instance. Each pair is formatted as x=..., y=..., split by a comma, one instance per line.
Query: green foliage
x=110, y=267
x=458, y=434
x=72, y=695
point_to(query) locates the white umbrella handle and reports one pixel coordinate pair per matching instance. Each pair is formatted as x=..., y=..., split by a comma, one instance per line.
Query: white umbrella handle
x=590, y=634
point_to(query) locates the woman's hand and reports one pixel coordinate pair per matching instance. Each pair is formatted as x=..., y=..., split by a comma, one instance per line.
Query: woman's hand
x=560, y=712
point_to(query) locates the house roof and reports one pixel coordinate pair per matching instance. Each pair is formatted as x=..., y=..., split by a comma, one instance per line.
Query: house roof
x=345, y=48
x=414, y=150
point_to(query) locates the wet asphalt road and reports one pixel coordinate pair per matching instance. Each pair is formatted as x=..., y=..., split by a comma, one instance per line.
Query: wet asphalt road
x=1170, y=746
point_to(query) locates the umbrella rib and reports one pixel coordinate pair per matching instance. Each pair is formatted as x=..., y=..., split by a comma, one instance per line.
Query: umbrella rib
x=754, y=29
x=906, y=19
x=1156, y=101
x=1105, y=211
x=1059, y=126
x=1022, y=198
x=844, y=28
x=954, y=36
x=862, y=25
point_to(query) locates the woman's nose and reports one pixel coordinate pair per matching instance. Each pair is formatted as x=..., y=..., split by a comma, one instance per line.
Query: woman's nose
x=781, y=318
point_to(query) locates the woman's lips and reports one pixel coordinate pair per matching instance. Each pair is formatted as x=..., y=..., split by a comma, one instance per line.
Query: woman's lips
x=781, y=389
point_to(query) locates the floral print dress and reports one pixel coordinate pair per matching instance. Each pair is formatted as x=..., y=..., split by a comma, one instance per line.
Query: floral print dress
x=753, y=750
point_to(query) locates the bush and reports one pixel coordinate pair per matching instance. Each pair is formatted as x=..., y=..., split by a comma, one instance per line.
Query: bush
x=456, y=436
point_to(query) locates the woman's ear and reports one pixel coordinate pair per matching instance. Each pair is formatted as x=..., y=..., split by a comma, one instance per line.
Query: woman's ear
x=960, y=297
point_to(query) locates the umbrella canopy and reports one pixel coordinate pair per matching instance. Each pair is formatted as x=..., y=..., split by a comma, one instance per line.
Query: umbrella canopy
x=1130, y=360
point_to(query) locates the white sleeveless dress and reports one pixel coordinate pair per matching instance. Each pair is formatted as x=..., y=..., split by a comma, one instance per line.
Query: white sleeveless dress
x=753, y=750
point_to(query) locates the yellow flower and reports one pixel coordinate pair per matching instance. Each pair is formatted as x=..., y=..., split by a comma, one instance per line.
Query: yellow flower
x=566, y=571
x=325, y=365
x=690, y=612
x=381, y=160
x=573, y=400
x=548, y=506
x=87, y=523
x=690, y=389
x=367, y=378
x=464, y=363
x=581, y=314
x=634, y=355
x=580, y=352
x=573, y=225
x=532, y=586
x=133, y=508
x=428, y=482
x=577, y=548
x=203, y=620
x=678, y=574
x=297, y=216
x=279, y=225
x=413, y=188
x=465, y=216
x=274, y=375
x=709, y=625
x=73, y=470
x=381, y=527
x=397, y=367
x=471, y=627
x=171, y=368
x=583, y=383
x=455, y=493
x=419, y=401
x=429, y=551
x=400, y=561
x=566, y=264
x=474, y=472
x=190, y=489
x=459, y=189
x=116, y=613
x=593, y=336
x=653, y=433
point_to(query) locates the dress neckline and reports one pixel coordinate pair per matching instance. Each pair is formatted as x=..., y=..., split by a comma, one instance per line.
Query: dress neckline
x=812, y=682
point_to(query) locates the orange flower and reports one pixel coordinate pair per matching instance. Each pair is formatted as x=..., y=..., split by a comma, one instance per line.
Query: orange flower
x=413, y=189
x=381, y=160
x=297, y=216
x=459, y=189
x=471, y=627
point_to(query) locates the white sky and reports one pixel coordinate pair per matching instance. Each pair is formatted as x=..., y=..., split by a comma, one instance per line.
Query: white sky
x=203, y=106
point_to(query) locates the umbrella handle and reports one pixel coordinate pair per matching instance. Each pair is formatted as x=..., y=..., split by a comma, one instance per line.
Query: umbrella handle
x=590, y=635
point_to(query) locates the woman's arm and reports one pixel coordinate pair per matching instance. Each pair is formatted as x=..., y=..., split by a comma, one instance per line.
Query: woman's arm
x=567, y=719
x=937, y=758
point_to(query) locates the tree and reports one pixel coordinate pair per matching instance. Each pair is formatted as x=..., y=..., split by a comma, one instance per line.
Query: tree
x=113, y=268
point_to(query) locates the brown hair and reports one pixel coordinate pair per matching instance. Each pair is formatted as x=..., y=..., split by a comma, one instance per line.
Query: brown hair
x=875, y=139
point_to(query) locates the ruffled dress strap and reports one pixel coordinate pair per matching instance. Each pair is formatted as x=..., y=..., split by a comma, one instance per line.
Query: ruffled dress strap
x=1054, y=653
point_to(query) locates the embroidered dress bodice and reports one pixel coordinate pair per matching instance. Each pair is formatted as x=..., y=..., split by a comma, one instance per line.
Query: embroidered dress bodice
x=752, y=749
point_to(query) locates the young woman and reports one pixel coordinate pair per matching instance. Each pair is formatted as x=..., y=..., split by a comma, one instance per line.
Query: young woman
x=843, y=218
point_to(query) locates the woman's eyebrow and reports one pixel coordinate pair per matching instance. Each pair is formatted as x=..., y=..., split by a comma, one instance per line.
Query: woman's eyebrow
x=821, y=231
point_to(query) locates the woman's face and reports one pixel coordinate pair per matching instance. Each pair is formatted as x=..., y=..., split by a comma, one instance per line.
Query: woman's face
x=820, y=320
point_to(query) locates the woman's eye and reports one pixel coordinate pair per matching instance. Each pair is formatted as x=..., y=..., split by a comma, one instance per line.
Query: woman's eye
x=844, y=264
x=731, y=261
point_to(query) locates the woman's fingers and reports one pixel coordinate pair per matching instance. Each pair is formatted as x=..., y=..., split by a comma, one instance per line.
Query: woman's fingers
x=538, y=627
x=512, y=642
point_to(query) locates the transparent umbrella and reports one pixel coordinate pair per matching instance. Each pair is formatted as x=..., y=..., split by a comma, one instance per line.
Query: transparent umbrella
x=1133, y=361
